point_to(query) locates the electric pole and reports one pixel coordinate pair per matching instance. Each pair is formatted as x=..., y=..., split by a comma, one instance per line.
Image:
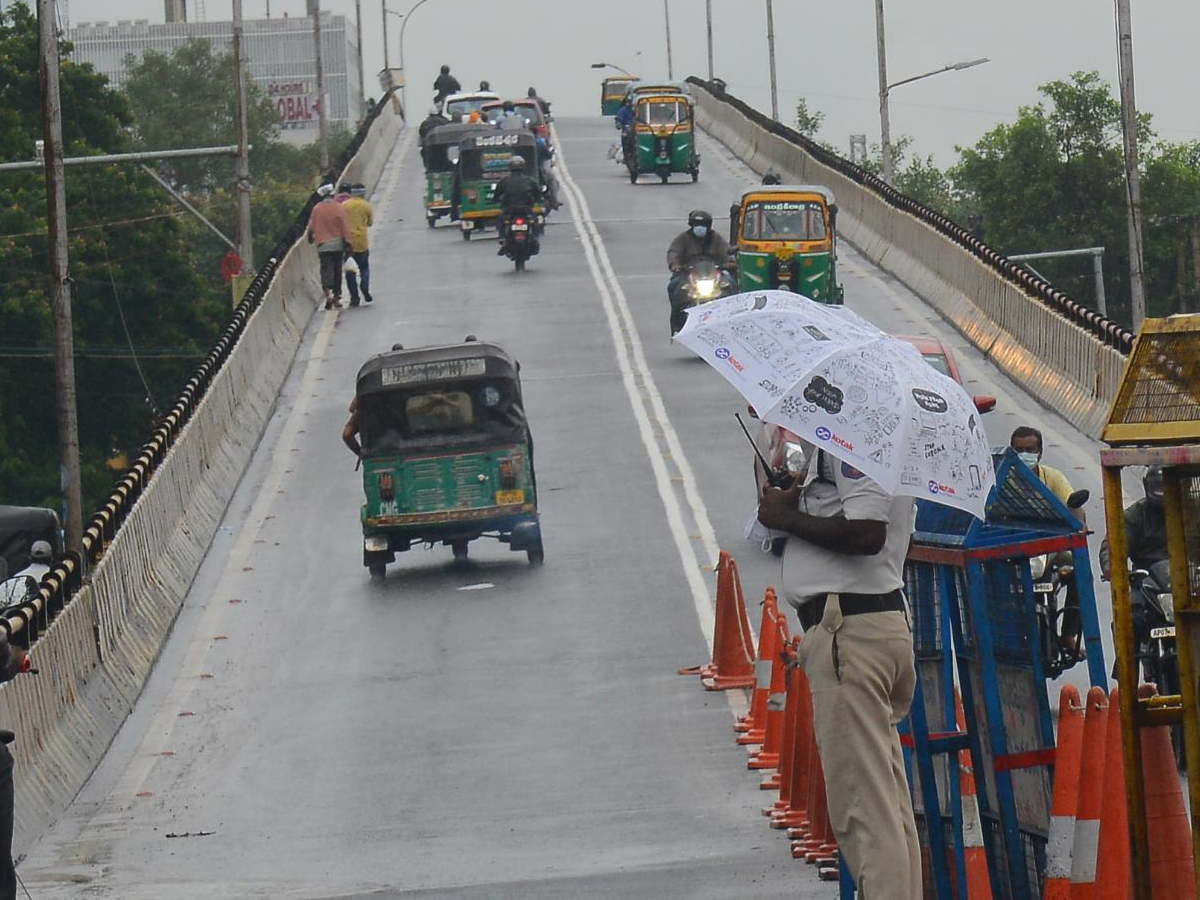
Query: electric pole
x=771, y=58
x=362, y=90
x=885, y=126
x=1137, y=287
x=387, y=66
x=708, y=20
x=322, y=119
x=245, y=239
x=60, y=281
x=667, y=18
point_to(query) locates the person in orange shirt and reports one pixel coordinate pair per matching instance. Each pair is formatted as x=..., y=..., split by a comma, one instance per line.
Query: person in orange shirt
x=329, y=230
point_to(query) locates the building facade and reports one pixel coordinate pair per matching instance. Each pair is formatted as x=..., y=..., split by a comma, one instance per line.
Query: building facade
x=281, y=58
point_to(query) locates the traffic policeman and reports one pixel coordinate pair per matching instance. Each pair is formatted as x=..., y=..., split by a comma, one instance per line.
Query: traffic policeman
x=843, y=571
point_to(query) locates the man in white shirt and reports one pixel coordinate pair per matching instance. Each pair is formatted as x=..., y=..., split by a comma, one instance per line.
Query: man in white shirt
x=843, y=571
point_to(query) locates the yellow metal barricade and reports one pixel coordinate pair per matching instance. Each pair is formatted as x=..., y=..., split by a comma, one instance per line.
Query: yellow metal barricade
x=1155, y=421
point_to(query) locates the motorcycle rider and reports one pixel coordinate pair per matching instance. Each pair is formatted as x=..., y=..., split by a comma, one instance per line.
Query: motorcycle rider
x=510, y=119
x=445, y=85
x=624, y=123
x=545, y=157
x=516, y=191
x=699, y=242
x=543, y=104
x=1145, y=527
x=1027, y=441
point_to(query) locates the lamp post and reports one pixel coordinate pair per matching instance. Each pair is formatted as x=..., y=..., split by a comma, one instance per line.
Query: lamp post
x=604, y=65
x=1137, y=287
x=708, y=21
x=885, y=89
x=771, y=58
x=403, y=78
x=667, y=22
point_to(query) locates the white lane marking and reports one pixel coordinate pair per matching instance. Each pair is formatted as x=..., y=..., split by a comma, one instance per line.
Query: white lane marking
x=481, y=586
x=160, y=731
x=642, y=392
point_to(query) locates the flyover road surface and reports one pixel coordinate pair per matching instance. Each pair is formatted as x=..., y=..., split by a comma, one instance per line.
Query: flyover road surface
x=493, y=731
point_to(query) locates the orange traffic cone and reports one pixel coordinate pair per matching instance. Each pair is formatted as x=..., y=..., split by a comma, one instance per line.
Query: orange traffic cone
x=733, y=644
x=1114, y=875
x=1168, y=833
x=794, y=814
x=1091, y=793
x=979, y=883
x=821, y=845
x=781, y=780
x=768, y=756
x=753, y=725
x=1066, y=795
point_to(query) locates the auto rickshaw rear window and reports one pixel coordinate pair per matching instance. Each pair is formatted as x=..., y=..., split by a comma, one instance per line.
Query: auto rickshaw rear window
x=784, y=221
x=439, y=411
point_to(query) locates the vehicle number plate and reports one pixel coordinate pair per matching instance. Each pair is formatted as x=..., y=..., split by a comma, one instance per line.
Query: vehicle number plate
x=1165, y=631
x=520, y=228
x=1043, y=589
x=507, y=498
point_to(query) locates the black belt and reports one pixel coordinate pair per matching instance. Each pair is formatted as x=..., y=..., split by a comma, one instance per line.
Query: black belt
x=812, y=611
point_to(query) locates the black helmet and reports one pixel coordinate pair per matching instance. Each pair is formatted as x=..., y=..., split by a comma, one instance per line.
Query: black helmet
x=532, y=92
x=1152, y=482
x=699, y=217
x=508, y=106
x=771, y=178
x=484, y=86
x=445, y=70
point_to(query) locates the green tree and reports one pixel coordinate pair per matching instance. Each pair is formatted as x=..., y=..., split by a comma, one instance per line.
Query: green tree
x=1171, y=202
x=142, y=314
x=186, y=99
x=808, y=121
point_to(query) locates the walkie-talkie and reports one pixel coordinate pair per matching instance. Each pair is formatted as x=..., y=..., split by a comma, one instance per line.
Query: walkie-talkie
x=779, y=478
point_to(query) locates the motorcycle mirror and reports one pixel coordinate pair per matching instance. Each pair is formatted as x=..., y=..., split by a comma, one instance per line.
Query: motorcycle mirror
x=1077, y=499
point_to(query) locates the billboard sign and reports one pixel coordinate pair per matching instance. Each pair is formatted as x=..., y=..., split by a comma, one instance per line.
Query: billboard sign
x=295, y=102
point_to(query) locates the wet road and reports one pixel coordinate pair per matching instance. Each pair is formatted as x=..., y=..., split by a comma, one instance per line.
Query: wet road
x=497, y=730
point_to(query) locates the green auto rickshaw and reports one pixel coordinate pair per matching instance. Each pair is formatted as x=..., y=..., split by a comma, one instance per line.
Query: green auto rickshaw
x=663, y=141
x=446, y=451
x=440, y=153
x=483, y=160
x=612, y=93
x=785, y=238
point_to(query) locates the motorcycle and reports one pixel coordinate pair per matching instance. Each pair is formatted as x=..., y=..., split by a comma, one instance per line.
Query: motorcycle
x=1060, y=629
x=701, y=282
x=1154, y=625
x=522, y=236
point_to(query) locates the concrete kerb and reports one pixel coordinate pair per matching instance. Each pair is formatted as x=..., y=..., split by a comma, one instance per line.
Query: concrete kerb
x=96, y=655
x=1058, y=362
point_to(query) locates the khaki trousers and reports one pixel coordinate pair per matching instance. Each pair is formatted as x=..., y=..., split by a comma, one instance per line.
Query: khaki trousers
x=861, y=672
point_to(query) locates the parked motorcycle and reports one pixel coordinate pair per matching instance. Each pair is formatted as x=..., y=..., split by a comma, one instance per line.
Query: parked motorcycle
x=701, y=282
x=522, y=236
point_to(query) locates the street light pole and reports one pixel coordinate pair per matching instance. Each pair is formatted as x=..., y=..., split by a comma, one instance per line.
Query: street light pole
x=322, y=118
x=60, y=297
x=245, y=237
x=771, y=57
x=362, y=88
x=667, y=20
x=386, y=63
x=1137, y=287
x=708, y=20
x=885, y=126
x=403, y=76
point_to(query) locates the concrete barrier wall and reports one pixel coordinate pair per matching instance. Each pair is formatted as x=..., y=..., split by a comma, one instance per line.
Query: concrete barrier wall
x=1057, y=361
x=97, y=653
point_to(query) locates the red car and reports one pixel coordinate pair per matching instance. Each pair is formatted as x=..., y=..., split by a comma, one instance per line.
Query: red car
x=773, y=440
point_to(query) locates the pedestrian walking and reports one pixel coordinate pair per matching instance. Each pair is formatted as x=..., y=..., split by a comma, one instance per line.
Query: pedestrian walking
x=843, y=570
x=330, y=232
x=360, y=218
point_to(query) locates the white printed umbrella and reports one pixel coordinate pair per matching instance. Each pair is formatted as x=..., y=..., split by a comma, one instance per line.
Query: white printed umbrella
x=836, y=380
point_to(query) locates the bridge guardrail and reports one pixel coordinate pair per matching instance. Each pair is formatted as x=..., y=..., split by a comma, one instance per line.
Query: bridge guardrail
x=97, y=636
x=1067, y=355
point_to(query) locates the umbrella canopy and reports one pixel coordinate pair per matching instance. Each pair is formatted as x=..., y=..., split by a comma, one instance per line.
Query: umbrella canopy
x=836, y=380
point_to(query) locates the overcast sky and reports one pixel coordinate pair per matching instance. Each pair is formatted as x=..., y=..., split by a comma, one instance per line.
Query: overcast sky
x=826, y=52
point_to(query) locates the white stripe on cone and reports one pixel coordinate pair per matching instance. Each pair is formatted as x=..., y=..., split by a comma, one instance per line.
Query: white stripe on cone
x=1059, y=845
x=1087, y=845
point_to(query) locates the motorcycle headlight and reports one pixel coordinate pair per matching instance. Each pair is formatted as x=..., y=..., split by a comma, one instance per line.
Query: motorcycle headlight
x=1037, y=567
x=706, y=287
x=794, y=458
x=1166, y=602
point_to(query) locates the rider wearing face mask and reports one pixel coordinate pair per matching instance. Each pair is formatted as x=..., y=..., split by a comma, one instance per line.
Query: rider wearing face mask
x=698, y=243
x=1027, y=442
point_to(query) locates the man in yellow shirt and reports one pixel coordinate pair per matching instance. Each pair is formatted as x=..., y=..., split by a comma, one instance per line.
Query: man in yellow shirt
x=360, y=218
x=1027, y=442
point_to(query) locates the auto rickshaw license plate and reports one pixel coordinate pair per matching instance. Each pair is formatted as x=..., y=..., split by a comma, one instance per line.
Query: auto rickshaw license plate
x=508, y=498
x=1166, y=631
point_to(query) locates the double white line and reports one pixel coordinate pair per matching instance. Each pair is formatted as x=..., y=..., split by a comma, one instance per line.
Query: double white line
x=658, y=434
